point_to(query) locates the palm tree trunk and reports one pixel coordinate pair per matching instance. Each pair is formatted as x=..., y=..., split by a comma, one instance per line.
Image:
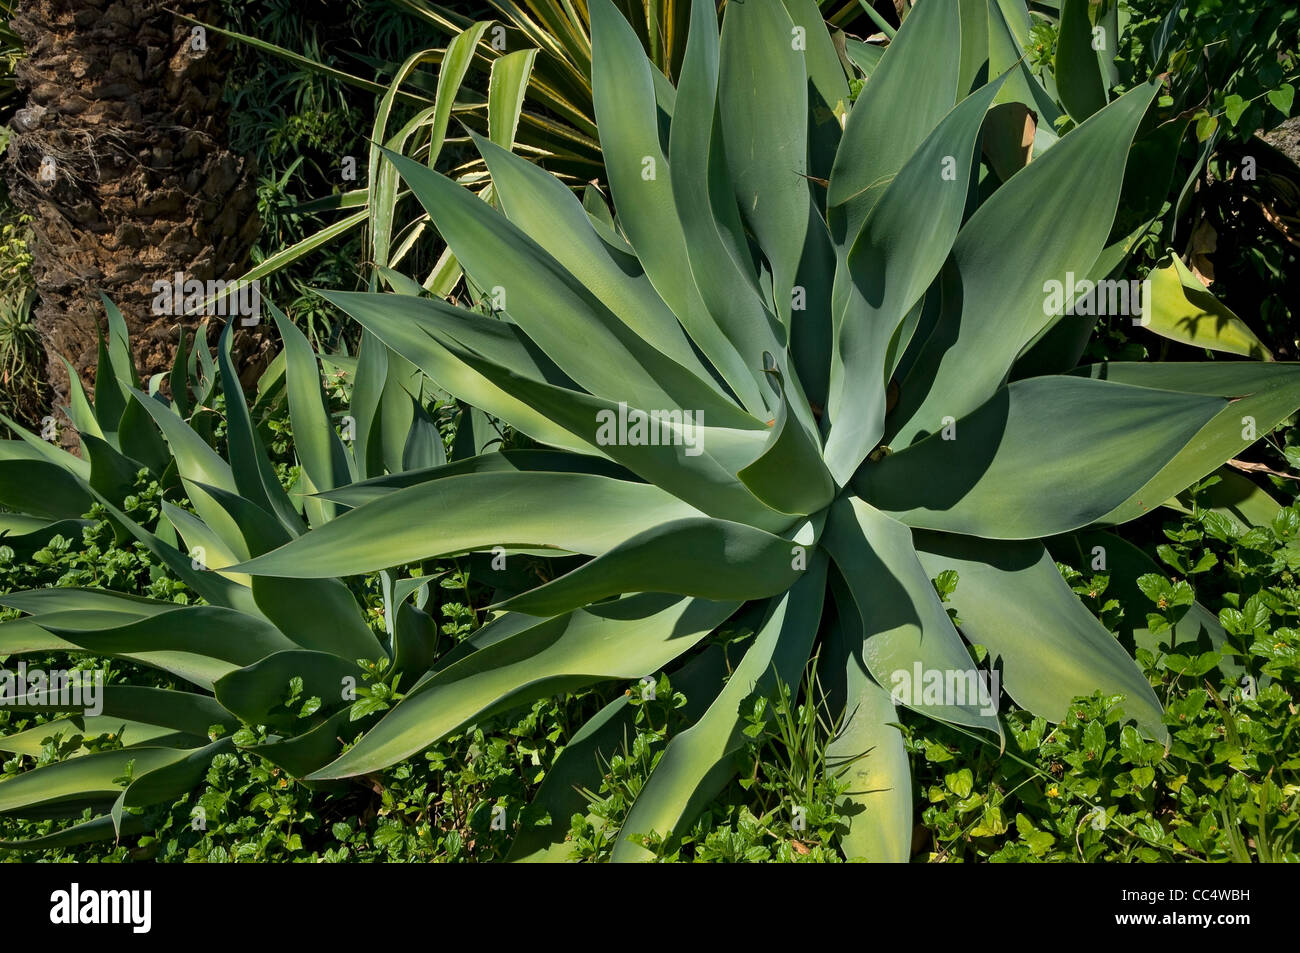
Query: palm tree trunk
x=119, y=157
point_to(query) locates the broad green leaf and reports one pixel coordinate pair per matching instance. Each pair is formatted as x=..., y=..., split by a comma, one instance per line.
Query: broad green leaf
x=1079, y=78
x=170, y=779
x=712, y=559
x=1261, y=395
x=543, y=207
x=318, y=447
x=697, y=762
x=570, y=513
x=1010, y=470
x=895, y=112
x=1180, y=308
x=761, y=76
x=623, y=639
x=198, y=643
x=1049, y=648
x=318, y=614
x=581, y=763
x=397, y=323
x=1007, y=259
x=249, y=464
x=1198, y=630
x=184, y=712
x=254, y=692
x=890, y=267
x=1236, y=496
x=902, y=620
x=68, y=786
x=554, y=309
x=867, y=752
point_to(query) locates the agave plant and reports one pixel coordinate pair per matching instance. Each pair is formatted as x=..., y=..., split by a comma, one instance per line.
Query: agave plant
x=799, y=371
x=286, y=659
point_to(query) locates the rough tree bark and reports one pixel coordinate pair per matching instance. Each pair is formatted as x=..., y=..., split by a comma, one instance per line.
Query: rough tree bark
x=119, y=157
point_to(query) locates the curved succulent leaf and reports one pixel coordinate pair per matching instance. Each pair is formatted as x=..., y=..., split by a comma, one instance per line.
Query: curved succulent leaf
x=1011, y=471
x=623, y=639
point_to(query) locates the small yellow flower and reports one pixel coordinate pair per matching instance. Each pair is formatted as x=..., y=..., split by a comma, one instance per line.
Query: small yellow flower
x=1053, y=791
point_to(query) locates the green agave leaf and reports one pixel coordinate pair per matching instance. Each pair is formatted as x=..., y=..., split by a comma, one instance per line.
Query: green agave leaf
x=641, y=183
x=31, y=447
x=1181, y=309
x=249, y=464
x=791, y=451
x=85, y=609
x=541, y=206
x=894, y=113
x=195, y=460
x=1008, y=35
x=119, y=346
x=698, y=463
x=867, y=751
x=26, y=534
x=697, y=763
x=974, y=20
x=1079, y=79
x=575, y=513
x=1011, y=599
x=170, y=780
x=455, y=64
x=42, y=489
x=555, y=310
x=409, y=331
x=129, y=732
x=424, y=442
x=415, y=636
x=1235, y=496
x=580, y=765
x=99, y=828
x=317, y=445
x=318, y=614
x=198, y=643
x=515, y=461
x=22, y=637
x=253, y=692
x=110, y=472
x=183, y=712
x=205, y=546
x=68, y=786
x=865, y=56
x=367, y=394
x=1196, y=631
x=624, y=639
x=302, y=754
x=828, y=86
x=891, y=265
x=1010, y=470
x=1007, y=257
x=211, y=586
x=762, y=75
x=717, y=246
x=1268, y=394
x=712, y=559
x=79, y=410
x=902, y=620
x=1059, y=346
